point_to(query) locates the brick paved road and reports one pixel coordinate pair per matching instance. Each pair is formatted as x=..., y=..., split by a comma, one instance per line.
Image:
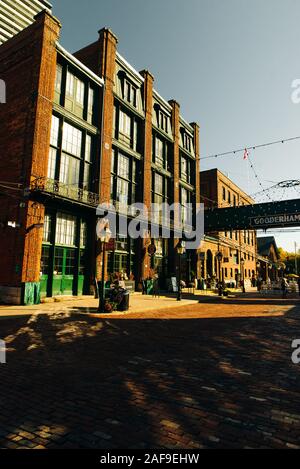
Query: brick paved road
x=210, y=375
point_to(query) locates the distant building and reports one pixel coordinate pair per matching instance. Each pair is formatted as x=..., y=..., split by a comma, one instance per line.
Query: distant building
x=16, y=15
x=238, y=248
x=267, y=248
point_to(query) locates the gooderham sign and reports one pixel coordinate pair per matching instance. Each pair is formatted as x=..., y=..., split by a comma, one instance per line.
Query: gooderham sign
x=282, y=214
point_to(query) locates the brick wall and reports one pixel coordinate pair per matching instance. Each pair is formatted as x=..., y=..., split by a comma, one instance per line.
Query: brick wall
x=27, y=64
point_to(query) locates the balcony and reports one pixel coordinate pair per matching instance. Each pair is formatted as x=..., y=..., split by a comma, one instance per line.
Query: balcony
x=65, y=191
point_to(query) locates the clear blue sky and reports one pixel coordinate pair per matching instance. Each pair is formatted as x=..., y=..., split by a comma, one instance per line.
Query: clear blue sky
x=229, y=63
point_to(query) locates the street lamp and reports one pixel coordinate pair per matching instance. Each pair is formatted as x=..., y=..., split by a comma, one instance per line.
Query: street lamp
x=180, y=251
x=219, y=257
x=104, y=238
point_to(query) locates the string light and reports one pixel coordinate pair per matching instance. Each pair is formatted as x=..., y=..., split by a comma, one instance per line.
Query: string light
x=255, y=147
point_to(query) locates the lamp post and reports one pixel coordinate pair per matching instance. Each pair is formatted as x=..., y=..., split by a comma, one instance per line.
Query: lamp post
x=104, y=238
x=180, y=251
x=219, y=257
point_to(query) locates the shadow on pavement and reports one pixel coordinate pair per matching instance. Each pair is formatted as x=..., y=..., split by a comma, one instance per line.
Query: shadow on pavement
x=78, y=382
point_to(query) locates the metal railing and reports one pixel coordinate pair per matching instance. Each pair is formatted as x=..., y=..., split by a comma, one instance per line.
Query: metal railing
x=49, y=186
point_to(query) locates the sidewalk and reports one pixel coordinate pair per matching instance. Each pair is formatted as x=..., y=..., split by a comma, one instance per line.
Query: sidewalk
x=89, y=305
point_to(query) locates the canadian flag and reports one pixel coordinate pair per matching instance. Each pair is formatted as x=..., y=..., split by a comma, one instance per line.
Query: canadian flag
x=246, y=154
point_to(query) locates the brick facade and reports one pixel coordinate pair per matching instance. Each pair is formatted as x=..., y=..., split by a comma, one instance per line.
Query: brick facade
x=239, y=249
x=27, y=65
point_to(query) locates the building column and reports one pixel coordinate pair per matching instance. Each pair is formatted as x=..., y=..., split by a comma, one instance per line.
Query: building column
x=46, y=33
x=197, y=200
x=175, y=189
x=144, y=260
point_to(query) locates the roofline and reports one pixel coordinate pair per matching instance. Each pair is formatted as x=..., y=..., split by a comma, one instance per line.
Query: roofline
x=240, y=190
x=79, y=65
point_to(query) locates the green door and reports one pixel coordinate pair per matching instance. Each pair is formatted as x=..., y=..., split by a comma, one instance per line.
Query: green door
x=45, y=260
x=64, y=268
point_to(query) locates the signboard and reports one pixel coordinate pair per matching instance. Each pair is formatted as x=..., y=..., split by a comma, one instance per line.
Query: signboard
x=283, y=214
x=270, y=220
x=173, y=285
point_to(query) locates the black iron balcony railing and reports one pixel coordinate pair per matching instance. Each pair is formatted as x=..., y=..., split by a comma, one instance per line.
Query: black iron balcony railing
x=49, y=186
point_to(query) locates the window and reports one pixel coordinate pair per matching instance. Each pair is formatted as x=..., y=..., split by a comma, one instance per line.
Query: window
x=234, y=200
x=58, y=82
x=185, y=174
x=65, y=230
x=80, y=92
x=229, y=197
x=162, y=121
x=122, y=191
x=123, y=180
x=75, y=91
x=125, y=127
x=54, y=131
x=53, y=151
x=123, y=167
x=70, y=162
x=87, y=163
x=69, y=170
x=52, y=163
x=83, y=234
x=159, y=184
x=159, y=152
x=224, y=193
x=91, y=105
x=130, y=93
x=160, y=197
x=70, y=85
x=72, y=139
x=47, y=229
x=187, y=141
x=186, y=210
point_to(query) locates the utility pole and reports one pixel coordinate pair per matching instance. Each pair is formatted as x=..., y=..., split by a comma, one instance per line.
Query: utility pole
x=296, y=259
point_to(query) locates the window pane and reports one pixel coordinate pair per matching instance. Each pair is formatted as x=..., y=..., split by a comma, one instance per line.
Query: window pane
x=91, y=105
x=88, y=148
x=54, y=131
x=52, y=163
x=58, y=78
x=86, y=178
x=65, y=230
x=69, y=170
x=79, y=92
x=72, y=138
x=83, y=234
x=122, y=191
x=47, y=229
x=45, y=260
x=70, y=84
x=123, y=167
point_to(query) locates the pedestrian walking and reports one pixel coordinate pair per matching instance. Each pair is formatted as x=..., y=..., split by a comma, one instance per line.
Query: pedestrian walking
x=284, y=287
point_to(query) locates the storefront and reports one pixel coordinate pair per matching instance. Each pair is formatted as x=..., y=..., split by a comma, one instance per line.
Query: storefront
x=64, y=264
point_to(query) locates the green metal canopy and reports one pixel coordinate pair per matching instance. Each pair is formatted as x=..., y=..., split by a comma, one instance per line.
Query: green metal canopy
x=266, y=216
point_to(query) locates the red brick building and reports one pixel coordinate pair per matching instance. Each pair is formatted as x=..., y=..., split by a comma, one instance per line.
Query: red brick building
x=238, y=248
x=78, y=130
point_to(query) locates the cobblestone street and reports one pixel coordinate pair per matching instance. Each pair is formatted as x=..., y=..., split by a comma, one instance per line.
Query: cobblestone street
x=211, y=375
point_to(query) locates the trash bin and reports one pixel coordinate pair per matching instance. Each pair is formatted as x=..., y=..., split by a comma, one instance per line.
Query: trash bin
x=124, y=303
